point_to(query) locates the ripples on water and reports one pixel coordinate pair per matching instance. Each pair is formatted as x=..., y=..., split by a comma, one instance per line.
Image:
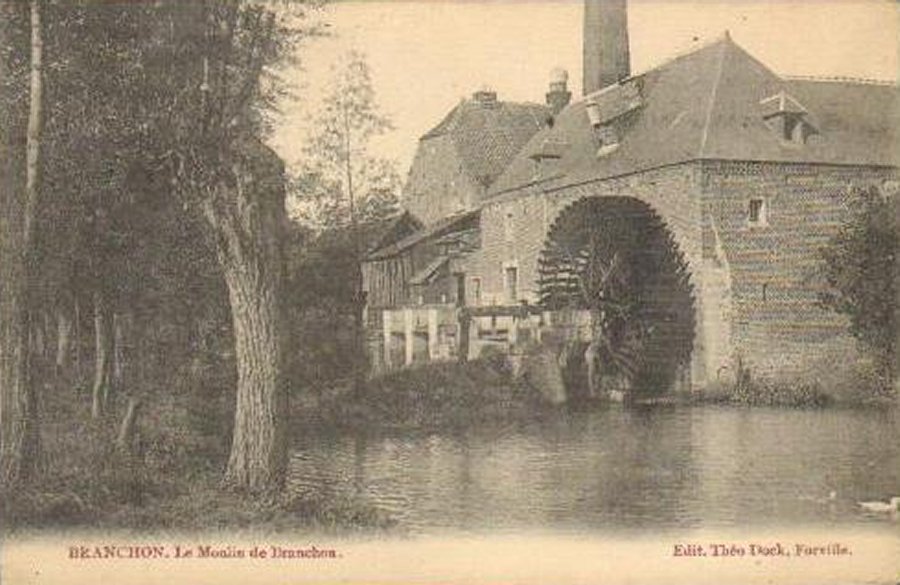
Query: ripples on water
x=619, y=469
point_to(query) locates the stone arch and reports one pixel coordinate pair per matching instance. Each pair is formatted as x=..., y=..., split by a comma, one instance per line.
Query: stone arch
x=615, y=260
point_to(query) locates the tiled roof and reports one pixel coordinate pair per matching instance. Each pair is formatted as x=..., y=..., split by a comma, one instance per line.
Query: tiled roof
x=488, y=136
x=384, y=232
x=426, y=275
x=458, y=222
x=706, y=105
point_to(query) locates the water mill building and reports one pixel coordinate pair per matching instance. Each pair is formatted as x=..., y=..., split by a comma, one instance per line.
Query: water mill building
x=742, y=174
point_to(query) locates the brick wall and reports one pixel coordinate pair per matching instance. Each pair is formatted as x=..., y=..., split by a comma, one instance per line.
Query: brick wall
x=755, y=285
x=438, y=185
x=777, y=328
x=515, y=226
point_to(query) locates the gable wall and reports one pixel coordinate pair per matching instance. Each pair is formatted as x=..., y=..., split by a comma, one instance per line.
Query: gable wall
x=438, y=185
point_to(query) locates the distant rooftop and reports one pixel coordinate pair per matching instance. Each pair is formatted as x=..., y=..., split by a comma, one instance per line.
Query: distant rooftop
x=488, y=133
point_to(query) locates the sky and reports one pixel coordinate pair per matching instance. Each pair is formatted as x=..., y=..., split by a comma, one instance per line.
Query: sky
x=427, y=55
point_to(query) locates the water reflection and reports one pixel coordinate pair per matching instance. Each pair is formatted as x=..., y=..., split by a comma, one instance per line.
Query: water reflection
x=618, y=469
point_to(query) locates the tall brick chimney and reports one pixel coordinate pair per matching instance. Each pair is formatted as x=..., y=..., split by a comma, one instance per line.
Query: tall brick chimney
x=606, y=54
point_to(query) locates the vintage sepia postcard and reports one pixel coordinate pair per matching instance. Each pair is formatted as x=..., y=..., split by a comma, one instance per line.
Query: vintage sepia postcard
x=449, y=291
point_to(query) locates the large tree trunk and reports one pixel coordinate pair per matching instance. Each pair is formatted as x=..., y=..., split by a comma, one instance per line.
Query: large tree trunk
x=248, y=222
x=19, y=432
x=257, y=455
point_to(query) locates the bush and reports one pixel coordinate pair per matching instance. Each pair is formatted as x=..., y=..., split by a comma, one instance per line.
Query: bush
x=434, y=396
x=762, y=392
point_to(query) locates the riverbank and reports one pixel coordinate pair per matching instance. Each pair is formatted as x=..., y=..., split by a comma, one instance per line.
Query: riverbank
x=858, y=388
x=170, y=484
x=457, y=396
x=433, y=397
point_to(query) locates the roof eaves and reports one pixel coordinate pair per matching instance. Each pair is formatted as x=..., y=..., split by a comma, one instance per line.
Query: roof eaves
x=437, y=229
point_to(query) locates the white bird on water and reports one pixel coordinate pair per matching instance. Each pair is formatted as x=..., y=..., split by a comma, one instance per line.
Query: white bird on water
x=831, y=499
x=882, y=507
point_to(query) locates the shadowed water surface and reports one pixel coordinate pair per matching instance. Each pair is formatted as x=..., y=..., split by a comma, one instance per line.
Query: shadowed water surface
x=619, y=470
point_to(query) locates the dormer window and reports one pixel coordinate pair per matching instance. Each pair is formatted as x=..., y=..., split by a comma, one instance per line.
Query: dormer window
x=607, y=138
x=605, y=134
x=607, y=108
x=546, y=158
x=787, y=117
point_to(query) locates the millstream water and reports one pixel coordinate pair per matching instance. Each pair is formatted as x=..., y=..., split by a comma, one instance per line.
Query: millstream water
x=618, y=470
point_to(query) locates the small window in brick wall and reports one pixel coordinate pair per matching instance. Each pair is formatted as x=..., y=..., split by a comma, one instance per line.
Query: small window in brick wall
x=756, y=212
x=508, y=226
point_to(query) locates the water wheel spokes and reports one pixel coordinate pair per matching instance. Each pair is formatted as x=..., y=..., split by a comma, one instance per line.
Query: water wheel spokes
x=615, y=258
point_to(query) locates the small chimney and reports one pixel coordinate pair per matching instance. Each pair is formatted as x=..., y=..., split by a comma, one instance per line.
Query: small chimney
x=559, y=95
x=485, y=97
x=606, y=53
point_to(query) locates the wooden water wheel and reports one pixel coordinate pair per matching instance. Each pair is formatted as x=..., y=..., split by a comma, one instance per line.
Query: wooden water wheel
x=615, y=258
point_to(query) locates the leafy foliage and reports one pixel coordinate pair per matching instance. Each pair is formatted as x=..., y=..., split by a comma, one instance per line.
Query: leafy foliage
x=340, y=176
x=860, y=273
x=153, y=147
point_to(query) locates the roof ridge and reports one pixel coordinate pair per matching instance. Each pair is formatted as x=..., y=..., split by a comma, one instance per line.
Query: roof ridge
x=449, y=121
x=715, y=92
x=841, y=79
x=724, y=38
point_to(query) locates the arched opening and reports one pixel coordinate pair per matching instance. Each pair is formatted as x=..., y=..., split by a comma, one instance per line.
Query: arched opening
x=613, y=261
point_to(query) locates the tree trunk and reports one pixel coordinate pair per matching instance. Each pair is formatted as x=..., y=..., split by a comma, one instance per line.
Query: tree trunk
x=77, y=340
x=360, y=363
x=248, y=221
x=125, y=438
x=64, y=325
x=257, y=449
x=20, y=440
x=594, y=369
x=39, y=344
x=122, y=331
x=19, y=432
x=103, y=342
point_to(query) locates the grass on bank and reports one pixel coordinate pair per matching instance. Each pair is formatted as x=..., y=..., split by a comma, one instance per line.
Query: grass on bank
x=170, y=484
x=860, y=386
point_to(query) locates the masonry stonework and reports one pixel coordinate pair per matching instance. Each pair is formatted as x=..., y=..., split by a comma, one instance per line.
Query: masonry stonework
x=514, y=227
x=778, y=329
